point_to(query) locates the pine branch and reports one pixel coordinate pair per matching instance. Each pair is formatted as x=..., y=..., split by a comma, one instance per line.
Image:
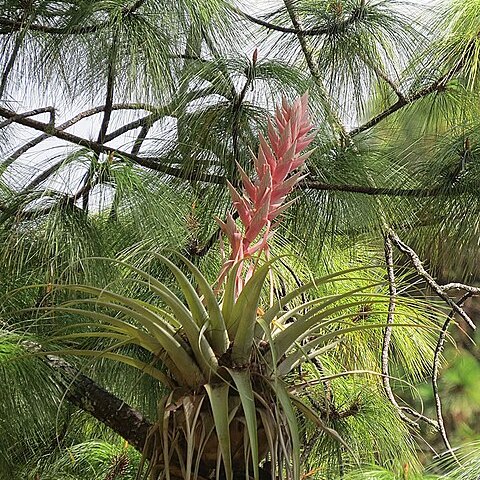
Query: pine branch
x=312, y=66
x=314, y=184
x=153, y=163
x=84, y=393
x=158, y=113
x=32, y=113
x=17, y=25
x=297, y=30
x=436, y=86
x=77, y=118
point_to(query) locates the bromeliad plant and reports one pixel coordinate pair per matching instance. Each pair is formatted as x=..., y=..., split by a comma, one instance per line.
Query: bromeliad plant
x=229, y=365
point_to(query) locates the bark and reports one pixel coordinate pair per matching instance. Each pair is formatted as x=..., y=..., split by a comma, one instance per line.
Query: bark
x=90, y=397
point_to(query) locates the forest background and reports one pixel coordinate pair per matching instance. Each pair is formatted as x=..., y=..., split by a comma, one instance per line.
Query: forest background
x=122, y=122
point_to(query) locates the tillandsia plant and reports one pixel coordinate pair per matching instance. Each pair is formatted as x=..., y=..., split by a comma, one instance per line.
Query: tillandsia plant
x=234, y=402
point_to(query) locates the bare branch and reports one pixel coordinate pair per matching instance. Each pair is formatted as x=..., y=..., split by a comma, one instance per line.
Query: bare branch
x=436, y=367
x=387, y=334
x=461, y=286
x=428, y=278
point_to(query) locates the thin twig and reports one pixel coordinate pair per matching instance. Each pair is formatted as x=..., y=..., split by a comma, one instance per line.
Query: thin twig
x=436, y=366
x=461, y=286
x=107, y=114
x=415, y=259
x=31, y=113
x=387, y=334
x=382, y=75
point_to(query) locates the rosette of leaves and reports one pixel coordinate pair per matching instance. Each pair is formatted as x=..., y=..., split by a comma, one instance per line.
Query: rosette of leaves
x=233, y=396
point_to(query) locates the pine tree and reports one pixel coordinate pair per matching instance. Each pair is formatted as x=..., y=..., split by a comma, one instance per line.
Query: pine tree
x=122, y=123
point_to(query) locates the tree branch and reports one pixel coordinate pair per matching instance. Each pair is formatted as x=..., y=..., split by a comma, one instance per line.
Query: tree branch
x=32, y=113
x=439, y=290
x=87, y=113
x=84, y=393
x=148, y=162
x=297, y=30
x=387, y=334
x=436, y=86
x=16, y=25
x=312, y=66
x=393, y=192
x=153, y=162
x=436, y=366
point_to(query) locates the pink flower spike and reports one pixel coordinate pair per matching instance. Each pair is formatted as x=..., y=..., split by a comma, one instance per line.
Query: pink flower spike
x=267, y=152
x=262, y=201
x=272, y=135
x=280, y=120
x=303, y=144
x=285, y=167
x=275, y=213
x=286, y=187
x=264, y=189
x=299, y=161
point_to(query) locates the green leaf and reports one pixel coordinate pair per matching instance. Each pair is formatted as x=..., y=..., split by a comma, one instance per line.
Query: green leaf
x=244, y=386
x=244, y=315
x=274, y=310
x=285, y=339
x=218, y=395
x=284, y=399
x=133, y=362
x=160, y=329
x=229, y=299
x=217, y=331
